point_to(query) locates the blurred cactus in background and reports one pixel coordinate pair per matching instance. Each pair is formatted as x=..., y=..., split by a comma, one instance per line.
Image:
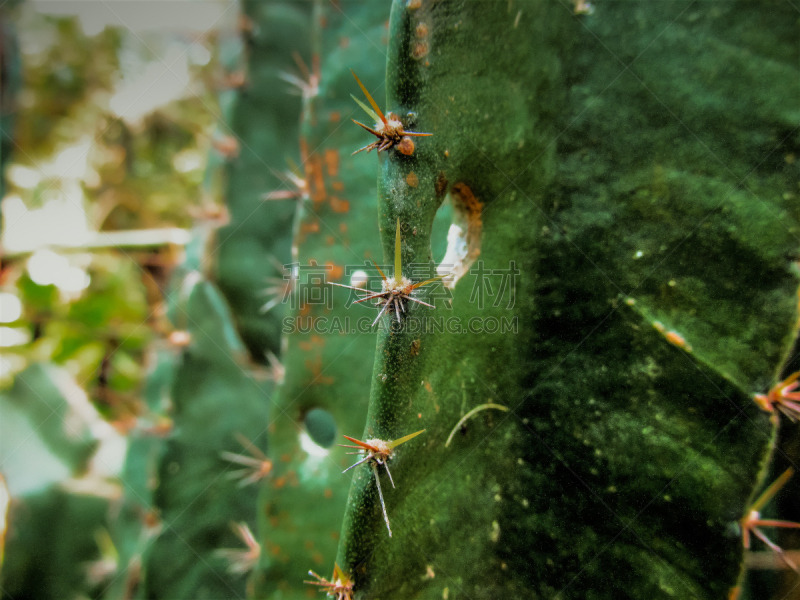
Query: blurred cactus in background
x=606, y=217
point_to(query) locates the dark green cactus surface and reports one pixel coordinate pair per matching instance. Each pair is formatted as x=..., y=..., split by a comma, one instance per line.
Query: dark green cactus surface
x=630, y=166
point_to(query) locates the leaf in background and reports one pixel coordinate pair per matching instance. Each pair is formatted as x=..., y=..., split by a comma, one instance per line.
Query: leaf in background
x=46, y=429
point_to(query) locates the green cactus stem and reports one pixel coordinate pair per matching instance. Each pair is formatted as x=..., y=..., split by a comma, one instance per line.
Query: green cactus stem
x=328, y=355
x=644, y=225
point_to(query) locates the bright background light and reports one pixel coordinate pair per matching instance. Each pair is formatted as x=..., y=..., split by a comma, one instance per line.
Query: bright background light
x=10, y=308
x=312, y=449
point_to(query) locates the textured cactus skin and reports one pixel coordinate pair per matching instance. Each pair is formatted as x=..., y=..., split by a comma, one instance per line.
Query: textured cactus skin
x=265, y=120
x=626, y=458
x=303, y=503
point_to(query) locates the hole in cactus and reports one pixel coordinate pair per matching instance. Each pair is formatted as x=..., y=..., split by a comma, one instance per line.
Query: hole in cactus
x=441, y=225
x=462, y=212
x=321, y=429
x=310, y=448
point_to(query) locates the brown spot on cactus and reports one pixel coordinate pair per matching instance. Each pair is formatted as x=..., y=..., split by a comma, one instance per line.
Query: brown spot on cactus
x=465, y=196
x=314, y=342
x=412, y=179
x=236, y=79
x=336, y=271
x=292, y=476
x=406, y=146
x=244, y=23
x=339, y=205
x=676, y=339
x=420, y=50
x=315, y=179
x=306, y=228
x=227, y=146
x=332, y=161
x=317, y=376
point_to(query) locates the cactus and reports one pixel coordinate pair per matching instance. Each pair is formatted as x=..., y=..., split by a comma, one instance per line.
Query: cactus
x=52, y=546
x=651, y=220
x=592, y=409
x=265, y=121
x=136, y=520
x=213, y=398
x=197, y=551
x=322, y=397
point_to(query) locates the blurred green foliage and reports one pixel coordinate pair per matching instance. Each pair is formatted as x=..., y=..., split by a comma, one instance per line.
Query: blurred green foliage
x=634, y=165
x=141, y=175
x=73, y=150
